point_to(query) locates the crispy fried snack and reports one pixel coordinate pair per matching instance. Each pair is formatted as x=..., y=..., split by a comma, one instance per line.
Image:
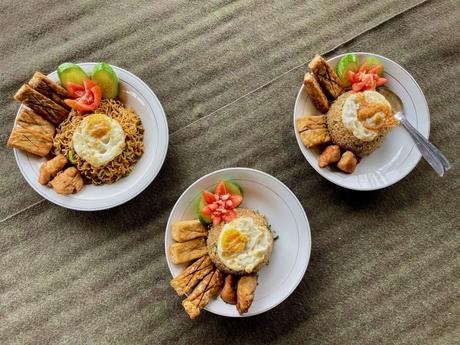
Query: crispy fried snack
x=67, y=182
x=228, y=293
x=314, y=137
x=187, y=251
x=42, y=84
x=330, y=155
x=304, y=123
x=348, y=162
x=49, y=169
x=245, y=292
x=41, y=104
x=30, y=141
x=200, y=296
x=326, y=76
x=188, y=230
x=316, y=94
x=28, y=119
x=192, y=275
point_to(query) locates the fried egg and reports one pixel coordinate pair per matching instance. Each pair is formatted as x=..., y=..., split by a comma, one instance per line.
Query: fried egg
x=242, y=245
x=365, y=114
x=98, y=139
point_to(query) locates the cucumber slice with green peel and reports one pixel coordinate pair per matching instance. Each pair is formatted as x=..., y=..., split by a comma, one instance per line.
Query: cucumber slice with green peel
x=372, y=61
x=347, y=63
x=71, y=72
x=200, y=203
x=233, y=188
x=104, y=76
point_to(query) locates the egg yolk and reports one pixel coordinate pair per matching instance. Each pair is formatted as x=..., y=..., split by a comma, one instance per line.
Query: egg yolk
x=233, y=242
x=98, y=125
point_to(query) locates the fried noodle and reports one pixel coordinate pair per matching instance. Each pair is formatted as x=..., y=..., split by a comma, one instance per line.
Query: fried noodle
x=121, y=165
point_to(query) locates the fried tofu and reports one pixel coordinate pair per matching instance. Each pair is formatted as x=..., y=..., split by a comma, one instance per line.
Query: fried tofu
x=42, y=84
x=32, y=121
x=314, y=137
x=316, y=94
x=30, y=141
x=192, y=275
x=41, y=104
x=200, y=296
x=348, y=162
x=326, y=76
x=245, y=292
x=304, y=123
x=187, y=251
x=188, y=230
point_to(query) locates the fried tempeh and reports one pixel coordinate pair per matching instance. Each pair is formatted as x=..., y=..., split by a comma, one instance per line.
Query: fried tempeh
x=42, y=84
x=200, y=296
x=28, y=119
x=314, y=137
x=192, y=275
x=30, y=141
x=41, y=104
x=326, y=76
x=188, y=230
x=228, y=293
x=316, y=94
x=49, y=169
x=187, y=251
x=304, y=123
x=245, y=292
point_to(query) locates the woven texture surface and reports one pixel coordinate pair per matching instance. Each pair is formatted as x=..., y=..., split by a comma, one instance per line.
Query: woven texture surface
x=385, y=265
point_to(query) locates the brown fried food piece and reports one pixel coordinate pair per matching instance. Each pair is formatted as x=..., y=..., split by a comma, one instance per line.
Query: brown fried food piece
x=42, y=84
x=41, y=104
x=316, y=94
x=330, y=155
x=192, y=275
x=49, y=169
x=348, y=162
x=245, y=292
x=28, y=119
x=228, y=293
x=326, y=76
x=187, y=251
x=314, y=137
x=31, y=141
x=67, y=182
x=200, y=296
x=188, y=230
x=307, y=122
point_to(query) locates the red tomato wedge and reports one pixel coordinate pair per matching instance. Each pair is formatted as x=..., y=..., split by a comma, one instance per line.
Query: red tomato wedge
x=75, y=90
x=88, y=99
x=366, y=78
x=221, y=204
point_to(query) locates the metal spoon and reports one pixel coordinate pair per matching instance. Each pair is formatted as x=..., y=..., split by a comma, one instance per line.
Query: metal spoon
x=432, y=155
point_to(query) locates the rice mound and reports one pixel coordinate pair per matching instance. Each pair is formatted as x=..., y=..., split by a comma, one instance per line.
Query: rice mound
x=342, y=136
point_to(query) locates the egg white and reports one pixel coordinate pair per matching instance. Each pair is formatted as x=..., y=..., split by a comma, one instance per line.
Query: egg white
x=98, y=151
x=350, y=115
x=254, y=252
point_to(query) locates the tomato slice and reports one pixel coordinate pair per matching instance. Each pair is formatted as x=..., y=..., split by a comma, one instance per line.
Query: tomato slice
x=236, y=200
x=88, y=100
x=380, y=81
x=209, y=197
x=220, y=189
x=376, y=70
x=75, y=90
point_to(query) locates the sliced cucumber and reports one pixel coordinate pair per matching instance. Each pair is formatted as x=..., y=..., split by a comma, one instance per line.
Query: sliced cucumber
x=200, y=203
x=104, y=76
x=372, y=61
x=233, y=188
x=71, y=72
x=347, y=63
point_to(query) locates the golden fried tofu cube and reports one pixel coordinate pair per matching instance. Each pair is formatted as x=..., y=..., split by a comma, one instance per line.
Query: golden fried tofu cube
x=304, y=123
x=188, y=230
x=348, y=162
x=182, y=252
x=314, y=137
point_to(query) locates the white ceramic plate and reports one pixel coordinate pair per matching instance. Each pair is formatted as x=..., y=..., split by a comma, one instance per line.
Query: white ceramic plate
x=136, y=94
x=398, y=155
x=291, y=251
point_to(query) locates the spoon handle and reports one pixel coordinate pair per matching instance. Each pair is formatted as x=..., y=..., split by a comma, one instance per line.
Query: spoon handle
x=432, y=155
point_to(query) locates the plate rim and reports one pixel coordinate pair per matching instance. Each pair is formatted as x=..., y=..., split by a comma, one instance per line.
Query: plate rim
x=72, y=206
x=298, y=203
x=415, y=153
